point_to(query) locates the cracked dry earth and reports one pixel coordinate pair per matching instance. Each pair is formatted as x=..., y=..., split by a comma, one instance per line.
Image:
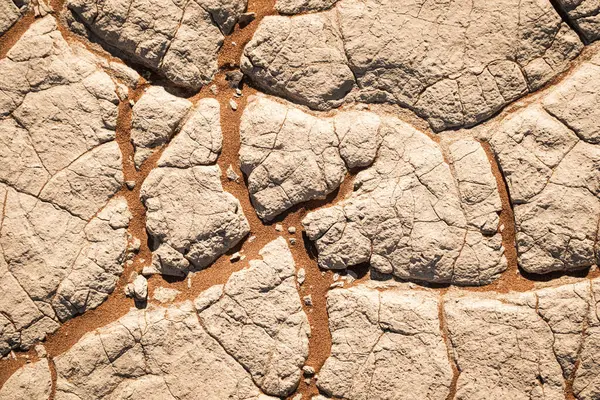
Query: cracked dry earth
x=299, y=199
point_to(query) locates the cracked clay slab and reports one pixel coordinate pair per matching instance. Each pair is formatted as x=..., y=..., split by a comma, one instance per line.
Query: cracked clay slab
x=422, y=211
x=178, y=39
x=247, y=339
x=291, y=157
x=514, y=346
x=190, y=218
x=63, y=235
x=549, y=153
x=453, y=63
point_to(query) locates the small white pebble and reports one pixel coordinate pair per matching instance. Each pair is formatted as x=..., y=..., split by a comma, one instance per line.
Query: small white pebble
x=308, y=370
x=292, y=241
x=339, y=284
x=279, y=227
x=233, y=104
x=292, y=229
x=301, y=276
x=235, y=256
x=233, y=43
x=131, y=103
x=336, y=276
x=242, y=258
x=231, y=174
x=189, y=282
x=251, y=239
x=214, y=89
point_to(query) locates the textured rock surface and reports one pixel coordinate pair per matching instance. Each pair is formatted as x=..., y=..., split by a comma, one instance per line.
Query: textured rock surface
x=378, y=337
x=234, y=342
x=62, y=245
x=178, y=39
x=390, y=344
x=300, y=58
x=550, y=155
x=291, y=157
x=32, y=382
x=160, y=116
x=585, y=16
x=301, y=6
x=257, y=317
x=453, y=63
x=416, y=216
x=191, y=220
x=10, y=12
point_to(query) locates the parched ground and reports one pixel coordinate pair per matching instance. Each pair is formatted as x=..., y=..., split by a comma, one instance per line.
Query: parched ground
x=299, y=199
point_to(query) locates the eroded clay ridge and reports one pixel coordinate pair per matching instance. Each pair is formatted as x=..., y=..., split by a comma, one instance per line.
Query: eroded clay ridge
x=247, y=339
x=453, y=63
x=63, y=236
x=178, y=39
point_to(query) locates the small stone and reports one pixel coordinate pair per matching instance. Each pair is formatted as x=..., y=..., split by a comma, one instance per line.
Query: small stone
x=292, y=229
x=297, y=397
x=138, y=289
x=214, y=90
x=40, y=351
x=231, y=174
x=242, y=258
x=336, y=276
x=235, y=256
x=131, y=103
x=135, y=245
x=234, y=78
x=233, y=44
x=307, y=300
x=246, y=18
x=339, y=284
x=189, y=281
x=233, y=104
x=130, y=184
x=292, y=241
x=301, y=276
x=308, y=370
x=251, y=238
x=279, y=227
x=238, y=92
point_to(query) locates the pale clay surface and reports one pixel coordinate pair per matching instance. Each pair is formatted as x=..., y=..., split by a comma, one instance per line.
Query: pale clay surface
x=291, y=157
x=424, y=207
x=62, y=244
x=234, y=341
x=550, y=155
x=453, y=63
x=517, y=346
x=178, y=39
x=415, y=215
